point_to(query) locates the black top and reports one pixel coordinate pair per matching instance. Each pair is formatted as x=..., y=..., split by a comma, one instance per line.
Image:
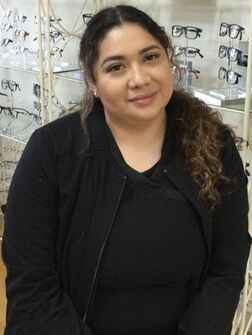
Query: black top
x=61, y=205
x=144, y=286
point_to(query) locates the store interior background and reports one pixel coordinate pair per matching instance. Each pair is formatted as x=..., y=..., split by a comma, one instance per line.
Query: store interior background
x=204, y=14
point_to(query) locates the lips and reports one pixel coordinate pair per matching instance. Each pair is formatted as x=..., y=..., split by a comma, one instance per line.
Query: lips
x=144, y=100
x=143, y=97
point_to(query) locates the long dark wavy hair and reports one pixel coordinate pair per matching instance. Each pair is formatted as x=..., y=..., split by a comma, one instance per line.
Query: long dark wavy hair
x=197, y=128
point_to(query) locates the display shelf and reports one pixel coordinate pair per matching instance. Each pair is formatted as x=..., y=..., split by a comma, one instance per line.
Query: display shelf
x=18, y=130
x=11, y=138
x=73, y=75
x=237, y=109
x=20, y=67
x=223, y=97
x=64, y=71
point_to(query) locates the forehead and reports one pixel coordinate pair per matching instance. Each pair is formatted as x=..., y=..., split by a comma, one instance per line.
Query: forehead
x=125, y=39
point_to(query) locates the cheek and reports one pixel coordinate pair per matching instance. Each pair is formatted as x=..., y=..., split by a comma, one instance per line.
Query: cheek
x=112, y=91
x=167, y=82
x=110, y=94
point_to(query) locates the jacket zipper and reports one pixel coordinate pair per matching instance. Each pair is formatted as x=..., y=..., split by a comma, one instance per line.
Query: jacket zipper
x=91, y=293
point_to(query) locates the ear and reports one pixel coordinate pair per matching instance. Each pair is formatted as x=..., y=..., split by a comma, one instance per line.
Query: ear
x=92, y=87
x=90, y=84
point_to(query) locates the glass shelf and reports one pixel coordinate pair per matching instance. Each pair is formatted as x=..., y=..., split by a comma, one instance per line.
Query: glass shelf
x=20, y=66
x=230, y=98
x=239, y=109
x=74, y=75
x=19, y=129
x=27, y=64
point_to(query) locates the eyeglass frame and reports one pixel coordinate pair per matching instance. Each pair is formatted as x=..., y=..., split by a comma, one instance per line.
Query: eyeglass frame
x=21, y=49
x=54, y=50
x=36, y=90
x=10, y=110
x=228, y=30
x=19, y=17
x=227, y=52
x=5, y=83
x=52, y=18
x=7, y=13
x=88, y=16
x=227, y=75
x=21, y=33
x=5, y=42
x=186, y=68
x=184, y=49
x=53, y=34
x=5, y=26
x=184, y=29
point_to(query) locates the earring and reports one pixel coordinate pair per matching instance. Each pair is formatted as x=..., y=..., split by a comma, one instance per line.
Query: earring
x=95, y=92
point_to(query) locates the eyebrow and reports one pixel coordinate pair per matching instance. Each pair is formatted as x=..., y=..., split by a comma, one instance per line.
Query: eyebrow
x=119, y=57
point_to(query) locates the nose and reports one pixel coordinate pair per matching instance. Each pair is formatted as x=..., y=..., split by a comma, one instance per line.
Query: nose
x=138, y=77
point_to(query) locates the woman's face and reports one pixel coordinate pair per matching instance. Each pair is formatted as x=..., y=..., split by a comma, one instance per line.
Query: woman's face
x=132, y=75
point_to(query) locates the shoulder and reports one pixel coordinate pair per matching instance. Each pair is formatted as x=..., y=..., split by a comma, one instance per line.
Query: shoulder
x=228, y=150
x=232, y=164
x=63, y=135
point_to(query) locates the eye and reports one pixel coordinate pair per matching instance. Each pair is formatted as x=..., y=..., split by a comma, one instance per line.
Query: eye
x=115, y=68
x=151, y=57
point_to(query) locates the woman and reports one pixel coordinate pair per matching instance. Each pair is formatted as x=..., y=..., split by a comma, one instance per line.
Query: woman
x=129, y=217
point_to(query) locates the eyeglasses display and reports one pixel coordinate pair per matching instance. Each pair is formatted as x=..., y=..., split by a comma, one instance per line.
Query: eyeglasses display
x=51, y=19
x=232, y=30
x=16, y=112
x=37, y=90
x=10, y=84
x=189, y=31
x=53, y=34
x=231, y=53
x=15, y=44
x=187, y=51
x=183, y=69
x=12, y=112
x=19, y=17
x=55, y=50
x=231, y=76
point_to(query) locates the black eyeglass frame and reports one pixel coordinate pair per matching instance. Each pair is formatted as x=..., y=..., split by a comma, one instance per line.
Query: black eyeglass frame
x=87, y=17
x=186, y=51
x=186, y=30
x=11, y=84
x=227, y=51
x=227, y=74
x=228, y=28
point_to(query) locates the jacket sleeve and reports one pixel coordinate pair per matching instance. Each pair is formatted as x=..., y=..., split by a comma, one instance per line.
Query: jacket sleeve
x=213, y=309
x=36, y=303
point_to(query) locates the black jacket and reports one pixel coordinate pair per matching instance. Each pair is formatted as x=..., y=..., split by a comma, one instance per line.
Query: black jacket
x=60, y=210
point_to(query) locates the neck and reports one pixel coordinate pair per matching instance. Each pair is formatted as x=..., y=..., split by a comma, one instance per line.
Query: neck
x=140, y=144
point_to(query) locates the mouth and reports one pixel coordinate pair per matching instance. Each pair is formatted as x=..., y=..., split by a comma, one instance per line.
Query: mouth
x=144, y=99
